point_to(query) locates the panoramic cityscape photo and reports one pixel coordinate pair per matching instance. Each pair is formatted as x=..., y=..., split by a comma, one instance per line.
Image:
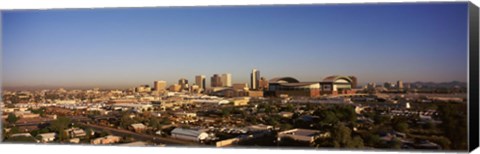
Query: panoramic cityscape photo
x=349, y=76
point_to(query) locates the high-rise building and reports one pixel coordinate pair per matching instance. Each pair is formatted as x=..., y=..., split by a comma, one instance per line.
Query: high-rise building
x=216, y=81
x=200, y=81
x=389, y=85
x=175, y=88
x=263, y=84
x=240, y=86
x=254, y=79
x=400, y=84
x=371, y=85
x=183, y=83
x=227, y=80
x=159, y=86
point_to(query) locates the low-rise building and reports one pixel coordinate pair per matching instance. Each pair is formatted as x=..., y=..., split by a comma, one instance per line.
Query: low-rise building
x=298, y=134
x=110, y=139
x=285, y=114
x=74, y=140
x=46, y=137
x=135, y=144
x=138, y=127
x=259, y=127
x=241, y=101
x=185, y=114
x=76, y=132
x=189, y=134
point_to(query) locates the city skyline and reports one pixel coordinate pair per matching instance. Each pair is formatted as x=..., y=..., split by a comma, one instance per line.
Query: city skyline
x=130, y=47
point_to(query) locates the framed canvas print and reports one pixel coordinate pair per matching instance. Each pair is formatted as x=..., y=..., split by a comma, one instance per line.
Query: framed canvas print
x=359, y=77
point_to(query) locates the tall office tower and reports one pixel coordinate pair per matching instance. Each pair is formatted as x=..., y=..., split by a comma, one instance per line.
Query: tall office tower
x=371, y=85
x=159, y=85
x=216, y=81
x=227, y=80
x=183, y=83
x=400, y=84
x=389, y=85
x=263, y=84
x=254, y=79
x=200, y=81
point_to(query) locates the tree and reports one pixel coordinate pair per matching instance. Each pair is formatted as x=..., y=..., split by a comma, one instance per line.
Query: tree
x=40, y=111
x=380, y=119
x=341, y=135
x=356, y=142
x=454, y=124
x=165, y=121
x=400, y=124
x=372, y=139
x=60, y=124
x=226, y=111
x=154, y=123
x=126, y=121
x=89, y=134
x=285, y=126
x=395, y=144
x=12, y=118
x=328, y=117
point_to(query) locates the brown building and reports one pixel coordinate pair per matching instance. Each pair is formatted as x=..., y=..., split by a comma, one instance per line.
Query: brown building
x=263, y=84
x=216, y=81
x=175, y=88
x=255, y=93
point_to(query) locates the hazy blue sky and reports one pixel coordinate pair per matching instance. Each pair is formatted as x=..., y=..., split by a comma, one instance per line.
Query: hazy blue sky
x=129, y=47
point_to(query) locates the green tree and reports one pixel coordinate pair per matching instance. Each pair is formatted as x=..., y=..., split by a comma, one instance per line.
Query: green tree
x=12, y=118
x=341, y=135
x=380, y=119
x=126, y=121
x=285, y=126
x=372, y=139
x=401, y=127
x=395, y=144
x=356, y=142
x=454, y=124
x=60, y=124
x=154, y=123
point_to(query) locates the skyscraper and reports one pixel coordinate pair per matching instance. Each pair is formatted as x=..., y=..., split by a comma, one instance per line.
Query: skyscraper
x=400, y=84
x=200, y=81
x=227, y=80
x=159, y=85
x=183, y=83
x=216, y=81
x=254, y=79
x=262, y=84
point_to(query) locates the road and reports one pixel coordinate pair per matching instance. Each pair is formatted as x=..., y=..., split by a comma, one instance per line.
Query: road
x=138, y=136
